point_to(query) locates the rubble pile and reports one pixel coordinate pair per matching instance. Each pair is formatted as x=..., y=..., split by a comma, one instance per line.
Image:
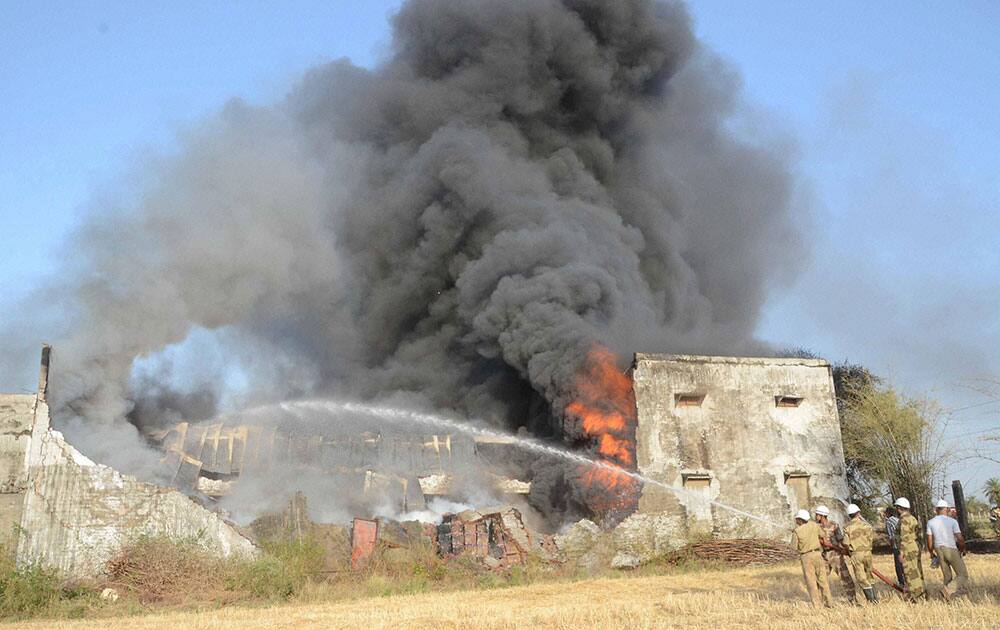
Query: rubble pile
x=497, y=536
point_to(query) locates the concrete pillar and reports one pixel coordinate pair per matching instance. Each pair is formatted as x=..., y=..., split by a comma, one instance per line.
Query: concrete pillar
x=43, y=373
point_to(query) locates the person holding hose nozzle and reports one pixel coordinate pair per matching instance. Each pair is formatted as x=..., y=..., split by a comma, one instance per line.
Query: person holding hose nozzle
x=806, y=536
x=834, y=551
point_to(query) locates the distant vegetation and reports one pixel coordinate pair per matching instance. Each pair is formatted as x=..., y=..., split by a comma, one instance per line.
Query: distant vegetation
x=892, y=445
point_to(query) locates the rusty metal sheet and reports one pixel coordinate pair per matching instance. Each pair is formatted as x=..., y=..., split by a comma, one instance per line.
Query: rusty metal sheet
x=193, y=440
x=238, y=445
x=251, y=455
x=188, y=473
x=170, y=463
x=173, y=439
x=267, y=448
x=482, y=538
x=364, y=535
x=470, y=535
x=217, y=454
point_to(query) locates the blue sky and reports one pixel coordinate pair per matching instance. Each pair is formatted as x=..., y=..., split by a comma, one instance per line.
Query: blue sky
x=891, y=108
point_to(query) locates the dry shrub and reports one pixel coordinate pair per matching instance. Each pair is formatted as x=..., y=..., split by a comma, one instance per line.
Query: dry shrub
x=157, y=569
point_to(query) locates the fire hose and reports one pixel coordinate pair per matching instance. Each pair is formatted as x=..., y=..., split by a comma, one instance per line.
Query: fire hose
x=875, y=572
x=879, y=575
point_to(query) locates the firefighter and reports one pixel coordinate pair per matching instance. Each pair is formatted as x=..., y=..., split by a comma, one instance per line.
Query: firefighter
x=909, y=550
x=858, y=537
x=807, y=536
x=833, y=550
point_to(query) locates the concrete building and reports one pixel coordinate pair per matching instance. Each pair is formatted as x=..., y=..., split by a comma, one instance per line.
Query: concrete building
x=60, y=509
x=761, y=435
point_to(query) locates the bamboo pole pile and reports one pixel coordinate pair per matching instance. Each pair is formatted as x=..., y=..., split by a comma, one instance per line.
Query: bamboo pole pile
x=735, y=551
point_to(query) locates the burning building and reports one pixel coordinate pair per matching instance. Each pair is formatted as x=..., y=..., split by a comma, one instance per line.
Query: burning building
x=516, y=196
x=689, y=445
x=743, y=442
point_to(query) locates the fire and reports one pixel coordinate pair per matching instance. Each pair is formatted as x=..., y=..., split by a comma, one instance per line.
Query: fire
x=604, y=410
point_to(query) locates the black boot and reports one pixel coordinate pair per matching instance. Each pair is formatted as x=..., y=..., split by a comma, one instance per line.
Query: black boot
x=870, y=594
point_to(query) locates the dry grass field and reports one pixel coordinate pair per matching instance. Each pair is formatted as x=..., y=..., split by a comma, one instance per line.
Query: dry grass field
x=757, y=597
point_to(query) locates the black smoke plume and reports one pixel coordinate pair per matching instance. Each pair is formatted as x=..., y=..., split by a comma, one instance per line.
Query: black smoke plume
x=453, y=228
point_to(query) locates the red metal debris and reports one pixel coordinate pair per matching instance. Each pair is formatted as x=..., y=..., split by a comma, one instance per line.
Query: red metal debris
x=364, y=534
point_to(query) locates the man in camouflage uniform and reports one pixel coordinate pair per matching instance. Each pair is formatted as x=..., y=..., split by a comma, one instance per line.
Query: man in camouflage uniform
x=834, y=551
x=858, y=537
x=909, y=550
x=806, y=538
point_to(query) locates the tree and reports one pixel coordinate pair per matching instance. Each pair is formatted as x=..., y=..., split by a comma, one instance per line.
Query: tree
x=892, y=444
x=992, y=491
x=975, y=505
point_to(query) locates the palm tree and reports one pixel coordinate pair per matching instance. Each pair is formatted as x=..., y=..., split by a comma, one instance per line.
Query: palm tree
x=992, y=491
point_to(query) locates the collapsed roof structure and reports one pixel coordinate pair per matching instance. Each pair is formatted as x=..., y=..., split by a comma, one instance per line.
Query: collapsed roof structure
x=401, y=469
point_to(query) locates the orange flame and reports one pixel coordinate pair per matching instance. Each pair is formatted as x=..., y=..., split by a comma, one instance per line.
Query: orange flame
x=604, y=409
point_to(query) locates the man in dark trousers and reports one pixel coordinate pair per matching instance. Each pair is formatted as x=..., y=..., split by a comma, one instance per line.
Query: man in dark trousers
x=892, y=531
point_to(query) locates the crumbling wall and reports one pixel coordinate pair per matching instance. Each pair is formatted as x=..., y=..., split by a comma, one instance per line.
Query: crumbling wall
x=76, y=514
x=742, y=431
x=17, y=411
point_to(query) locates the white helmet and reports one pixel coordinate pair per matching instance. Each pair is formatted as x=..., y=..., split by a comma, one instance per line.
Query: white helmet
x=942, y=504
x=823, y=510
x=802, y=515
x=852, y=509
x=903, y=502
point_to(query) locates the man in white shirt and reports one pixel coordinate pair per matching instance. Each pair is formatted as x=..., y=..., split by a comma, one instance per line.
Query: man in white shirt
x=946, y=543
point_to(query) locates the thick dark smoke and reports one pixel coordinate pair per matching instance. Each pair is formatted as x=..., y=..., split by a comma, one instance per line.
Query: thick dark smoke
x=454, y=228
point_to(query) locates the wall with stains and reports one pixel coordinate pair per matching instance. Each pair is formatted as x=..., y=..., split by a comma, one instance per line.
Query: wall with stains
x=76, y=514
x=764, y=432
x=62, y=510
x=17, y=413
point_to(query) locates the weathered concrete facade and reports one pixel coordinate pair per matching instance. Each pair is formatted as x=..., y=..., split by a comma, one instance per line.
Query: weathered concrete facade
x=64, y=511
x=758, y=434
x=17, y=414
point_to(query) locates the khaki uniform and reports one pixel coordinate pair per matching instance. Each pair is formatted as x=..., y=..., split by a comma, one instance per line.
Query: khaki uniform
x=951, y=560
x=814, y=571
x=858, y=537
x=833, y=535
x=909, y=553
